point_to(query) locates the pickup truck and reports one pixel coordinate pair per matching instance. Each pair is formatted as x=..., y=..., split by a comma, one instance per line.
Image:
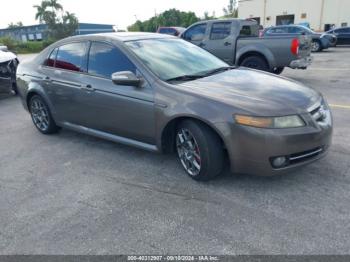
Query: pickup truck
x=236, y=42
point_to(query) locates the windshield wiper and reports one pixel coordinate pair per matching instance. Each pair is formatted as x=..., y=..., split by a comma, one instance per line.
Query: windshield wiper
x=218, y=70
x=184, y=78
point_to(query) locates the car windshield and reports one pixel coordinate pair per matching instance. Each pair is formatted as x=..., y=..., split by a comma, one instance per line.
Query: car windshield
x=175, y=58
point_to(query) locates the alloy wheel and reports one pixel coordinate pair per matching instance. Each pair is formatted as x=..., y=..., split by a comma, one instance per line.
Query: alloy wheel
x=188, y=152
x=40, y=114
x=315, y=46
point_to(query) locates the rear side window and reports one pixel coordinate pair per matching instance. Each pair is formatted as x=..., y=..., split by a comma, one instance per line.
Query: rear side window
x=196, y=33
x=50, y=61
x=249, y=30
x=278, y=30
x=342, y=30
x=105, y=59
x=220, y=30
x=72, y=57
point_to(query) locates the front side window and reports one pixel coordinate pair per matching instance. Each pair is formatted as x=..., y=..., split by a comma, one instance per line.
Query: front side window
x=220, y=30
x=196, y=33
x=171, y=58
x=105, y=59
x=295, y=30
x=71, y=57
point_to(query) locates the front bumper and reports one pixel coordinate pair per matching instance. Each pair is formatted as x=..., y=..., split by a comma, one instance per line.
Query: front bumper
x=252, y=149
x=302, y=63
x=5, y=85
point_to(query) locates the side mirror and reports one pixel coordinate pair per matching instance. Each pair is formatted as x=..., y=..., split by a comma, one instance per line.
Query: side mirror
x=126, y=78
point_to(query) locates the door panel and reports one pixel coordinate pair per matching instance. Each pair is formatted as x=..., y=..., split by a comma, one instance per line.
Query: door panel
x=220, y=41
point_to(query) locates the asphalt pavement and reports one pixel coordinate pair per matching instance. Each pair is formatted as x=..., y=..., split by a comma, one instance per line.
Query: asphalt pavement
x=74, y=194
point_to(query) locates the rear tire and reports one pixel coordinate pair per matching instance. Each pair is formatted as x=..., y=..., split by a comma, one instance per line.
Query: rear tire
x=41, y=115
x=255, y=62
x=316, y=46
x=199, y=150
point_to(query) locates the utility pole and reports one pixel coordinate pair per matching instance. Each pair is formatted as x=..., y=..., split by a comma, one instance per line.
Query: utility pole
x=321, y=16
x=264, y=23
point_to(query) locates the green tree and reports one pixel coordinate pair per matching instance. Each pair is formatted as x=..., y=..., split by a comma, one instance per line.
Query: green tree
x=171, y=17
x=12, y=25
x=60, y=24
x=231, y=10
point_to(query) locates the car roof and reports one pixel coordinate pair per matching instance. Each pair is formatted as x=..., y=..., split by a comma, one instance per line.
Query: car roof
x=120, y=36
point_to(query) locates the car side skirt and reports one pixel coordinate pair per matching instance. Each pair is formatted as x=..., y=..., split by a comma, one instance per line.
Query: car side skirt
x=110, y=137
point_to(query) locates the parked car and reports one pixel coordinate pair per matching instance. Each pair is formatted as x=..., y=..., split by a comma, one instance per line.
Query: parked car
x=319, y=41
x=164, y=94
x=343, y=35
x=172, y=30
x=8, y=67
x=237, y=42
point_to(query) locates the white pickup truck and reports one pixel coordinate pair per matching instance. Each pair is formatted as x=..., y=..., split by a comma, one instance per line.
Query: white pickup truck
x=237, y=42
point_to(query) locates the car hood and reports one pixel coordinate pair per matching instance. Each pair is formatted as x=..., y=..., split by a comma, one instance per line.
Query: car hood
x=6, y=56
x=255, y=92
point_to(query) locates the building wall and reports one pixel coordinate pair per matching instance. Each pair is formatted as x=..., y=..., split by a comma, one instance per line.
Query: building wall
x=39, y=32
x=317, y=13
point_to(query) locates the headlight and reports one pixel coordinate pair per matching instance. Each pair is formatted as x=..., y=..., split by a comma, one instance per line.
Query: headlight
x=270, y=122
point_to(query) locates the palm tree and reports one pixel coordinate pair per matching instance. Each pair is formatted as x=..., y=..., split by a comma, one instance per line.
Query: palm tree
x=40, y=11
x=53, y=4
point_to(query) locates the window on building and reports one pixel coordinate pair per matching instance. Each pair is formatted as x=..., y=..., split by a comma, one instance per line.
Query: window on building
x=105, y=59
x=220, y=30
x=71, y=57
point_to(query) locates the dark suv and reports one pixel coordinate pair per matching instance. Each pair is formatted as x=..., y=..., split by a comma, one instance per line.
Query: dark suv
x=319, y=41
x=343, y=35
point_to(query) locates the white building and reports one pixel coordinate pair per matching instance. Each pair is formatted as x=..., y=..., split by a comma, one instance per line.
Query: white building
x=320, y=14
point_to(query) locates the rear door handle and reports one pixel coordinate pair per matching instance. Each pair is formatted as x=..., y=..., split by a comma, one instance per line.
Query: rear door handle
x=47, y=79
x=88, y=88
x=201, y=45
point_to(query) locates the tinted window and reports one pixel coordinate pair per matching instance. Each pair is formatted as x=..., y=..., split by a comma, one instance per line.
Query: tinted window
x=220, y=30
x=105, y=59
x=168, y=31
x=343, y=31
x=295, y=30
x=71, y=57
x=249, y=30
x=196, y=33
x=51, y=59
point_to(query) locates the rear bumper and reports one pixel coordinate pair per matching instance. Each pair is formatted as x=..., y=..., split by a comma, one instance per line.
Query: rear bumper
x=302, y=63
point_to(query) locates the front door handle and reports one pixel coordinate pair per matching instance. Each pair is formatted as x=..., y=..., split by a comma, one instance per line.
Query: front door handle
x=227, y=43
x=201, y=45
x=88, y=88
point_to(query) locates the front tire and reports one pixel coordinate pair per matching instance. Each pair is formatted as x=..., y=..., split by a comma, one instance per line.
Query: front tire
x=255, y=62
x=41, y=115
x=200, y=150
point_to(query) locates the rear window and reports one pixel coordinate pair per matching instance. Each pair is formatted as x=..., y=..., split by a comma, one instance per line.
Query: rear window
x=72, y=57
x=249, y=30
x=168, y=31
x=220, y=30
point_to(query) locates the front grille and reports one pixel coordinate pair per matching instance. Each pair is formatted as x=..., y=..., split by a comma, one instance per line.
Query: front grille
x=304, y=156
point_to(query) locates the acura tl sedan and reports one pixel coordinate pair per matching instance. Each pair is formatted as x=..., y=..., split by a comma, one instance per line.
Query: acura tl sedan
x=162, y=94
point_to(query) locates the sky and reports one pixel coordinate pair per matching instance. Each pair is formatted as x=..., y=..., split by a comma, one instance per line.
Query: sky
x=120, y=13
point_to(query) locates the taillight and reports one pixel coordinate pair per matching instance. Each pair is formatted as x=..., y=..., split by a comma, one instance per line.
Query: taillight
x=295, y=46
